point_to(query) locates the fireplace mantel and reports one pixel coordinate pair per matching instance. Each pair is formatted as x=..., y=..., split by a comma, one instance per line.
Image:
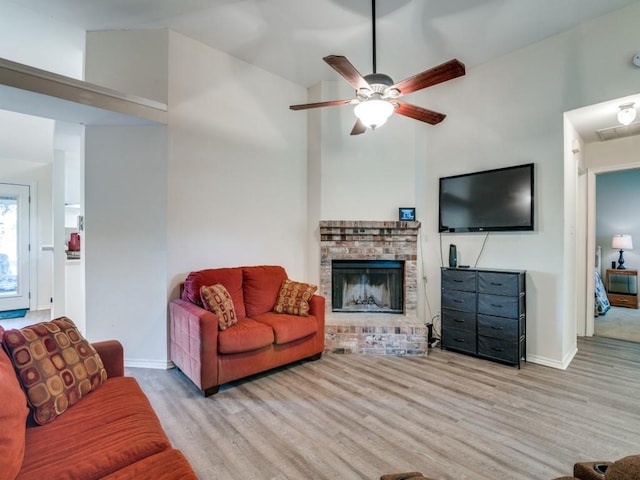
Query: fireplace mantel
x=372, y=240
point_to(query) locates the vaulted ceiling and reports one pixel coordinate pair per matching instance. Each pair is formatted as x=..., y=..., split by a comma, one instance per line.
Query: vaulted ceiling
x=290, y=37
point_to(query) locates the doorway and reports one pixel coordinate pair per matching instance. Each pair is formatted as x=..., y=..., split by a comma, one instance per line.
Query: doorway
x=14, y=247
x=617, y=193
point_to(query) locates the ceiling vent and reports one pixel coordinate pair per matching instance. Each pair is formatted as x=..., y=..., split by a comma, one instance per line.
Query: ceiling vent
x=620, y=131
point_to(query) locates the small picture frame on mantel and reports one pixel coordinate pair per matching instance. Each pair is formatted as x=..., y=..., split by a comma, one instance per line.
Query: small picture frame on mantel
x=407, y=214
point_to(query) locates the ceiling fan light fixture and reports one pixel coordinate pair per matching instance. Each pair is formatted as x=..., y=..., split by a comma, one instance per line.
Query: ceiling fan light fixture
x=374, y=112
x=627, y=113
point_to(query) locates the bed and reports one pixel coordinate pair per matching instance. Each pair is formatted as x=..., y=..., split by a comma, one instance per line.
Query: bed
x=601, y=304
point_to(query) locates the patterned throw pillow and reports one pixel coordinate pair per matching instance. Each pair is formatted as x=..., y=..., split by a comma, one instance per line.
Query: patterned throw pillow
x=217, y=299
x=294, y=298
x=55, y=364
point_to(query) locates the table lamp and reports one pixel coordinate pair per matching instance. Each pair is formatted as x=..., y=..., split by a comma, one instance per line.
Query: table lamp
x=622, y=242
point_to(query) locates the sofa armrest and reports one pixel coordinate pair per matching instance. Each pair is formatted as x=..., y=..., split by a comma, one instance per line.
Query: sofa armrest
x=316, y=308
x=112, y=355
x=193, y=342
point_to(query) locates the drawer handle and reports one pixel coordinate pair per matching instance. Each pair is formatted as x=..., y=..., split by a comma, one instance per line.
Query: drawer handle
x=457, y=320
x=497, y=305
x=457, y=300
x=497, y=284
x=459, y=340
x=496, y=328
x=497, y=349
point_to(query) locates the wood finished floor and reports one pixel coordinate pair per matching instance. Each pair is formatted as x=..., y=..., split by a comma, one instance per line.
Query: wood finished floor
x=448, y=415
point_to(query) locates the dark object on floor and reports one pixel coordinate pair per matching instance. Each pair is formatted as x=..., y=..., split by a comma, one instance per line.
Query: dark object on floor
x=405, y=476
x=627, y=468
x=13, y=313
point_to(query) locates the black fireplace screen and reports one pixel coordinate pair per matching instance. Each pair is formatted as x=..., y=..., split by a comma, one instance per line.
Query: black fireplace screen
x=375, y=286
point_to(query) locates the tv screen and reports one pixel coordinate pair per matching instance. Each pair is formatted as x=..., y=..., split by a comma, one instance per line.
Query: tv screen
x=488, y=201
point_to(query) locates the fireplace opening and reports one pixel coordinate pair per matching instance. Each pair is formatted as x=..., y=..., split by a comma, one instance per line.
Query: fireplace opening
x=373, y=286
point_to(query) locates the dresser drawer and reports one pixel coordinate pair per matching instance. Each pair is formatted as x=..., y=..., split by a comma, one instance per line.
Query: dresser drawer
x=499, y=327
x=463, y=280
x=459, y=340
x=618, y=300
x=499, y=283
x=460, y=320
x=498, y=349
x=463, y=301
x=499, y=305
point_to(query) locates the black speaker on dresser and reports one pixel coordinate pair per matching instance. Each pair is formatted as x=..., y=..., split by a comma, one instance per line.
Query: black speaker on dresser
x=453, y=256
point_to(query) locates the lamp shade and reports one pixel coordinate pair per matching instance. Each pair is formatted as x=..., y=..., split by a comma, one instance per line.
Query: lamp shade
x=374, y=112
x=622, y=242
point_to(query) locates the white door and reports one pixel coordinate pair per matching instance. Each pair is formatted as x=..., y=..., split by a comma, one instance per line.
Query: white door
x=14, y=246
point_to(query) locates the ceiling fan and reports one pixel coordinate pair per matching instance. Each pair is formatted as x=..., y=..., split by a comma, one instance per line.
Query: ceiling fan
x=377, y=95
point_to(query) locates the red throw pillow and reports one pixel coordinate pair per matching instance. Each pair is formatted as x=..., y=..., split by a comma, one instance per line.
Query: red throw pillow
x=293, y=298
x=217, y=299
x=55, y=364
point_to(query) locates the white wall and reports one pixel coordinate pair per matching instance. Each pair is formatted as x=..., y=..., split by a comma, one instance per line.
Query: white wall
x=125, y=240
x=510, y=111
x=40, y=41
x=614, y=154
x=231, y=190
x=131, y=61
x=506, y=112
x=368, y=176
x=237, y=165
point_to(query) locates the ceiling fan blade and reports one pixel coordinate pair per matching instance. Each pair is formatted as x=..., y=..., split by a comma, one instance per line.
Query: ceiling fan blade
x=332, y=103
x=344, y=67
x=419, y=113
x=358, y=128
x=441, y=73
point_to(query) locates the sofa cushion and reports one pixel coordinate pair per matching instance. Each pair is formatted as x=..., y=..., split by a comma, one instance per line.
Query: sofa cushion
x=216, y=299
x=293, y=298
x=261, y=285
x=55, y=364
x=13, y=418
x=166, y=465
x=231, y=278
x=287, y=328
x=245, y=336
x=110, y=429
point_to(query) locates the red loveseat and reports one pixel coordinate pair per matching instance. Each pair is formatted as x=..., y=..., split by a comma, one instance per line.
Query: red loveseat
x=111, y=433
x=261, y=339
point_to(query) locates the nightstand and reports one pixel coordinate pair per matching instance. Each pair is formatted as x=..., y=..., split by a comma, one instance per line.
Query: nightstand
x=622, y=288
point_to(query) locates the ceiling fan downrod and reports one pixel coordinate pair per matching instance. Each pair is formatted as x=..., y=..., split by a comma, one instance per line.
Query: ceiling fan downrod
x=373, y=32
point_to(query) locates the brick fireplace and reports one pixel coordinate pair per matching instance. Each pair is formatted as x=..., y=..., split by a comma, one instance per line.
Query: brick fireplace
x=376, y=332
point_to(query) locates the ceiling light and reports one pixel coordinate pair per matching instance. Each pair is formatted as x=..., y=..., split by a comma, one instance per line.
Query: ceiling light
x=373, y=112
x=627, y=113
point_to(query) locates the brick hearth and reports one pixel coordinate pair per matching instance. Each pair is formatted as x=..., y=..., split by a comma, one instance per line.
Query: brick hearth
x=370, y=333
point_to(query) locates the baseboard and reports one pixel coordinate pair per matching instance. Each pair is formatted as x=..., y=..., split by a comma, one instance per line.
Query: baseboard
x=563, y=365
x=142, y=363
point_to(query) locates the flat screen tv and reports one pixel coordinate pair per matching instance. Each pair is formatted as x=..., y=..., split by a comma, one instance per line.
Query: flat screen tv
x=499, y=200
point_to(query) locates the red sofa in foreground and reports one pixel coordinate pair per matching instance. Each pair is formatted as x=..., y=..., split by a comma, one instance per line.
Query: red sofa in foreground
x=111, y=432
x=260, y=340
